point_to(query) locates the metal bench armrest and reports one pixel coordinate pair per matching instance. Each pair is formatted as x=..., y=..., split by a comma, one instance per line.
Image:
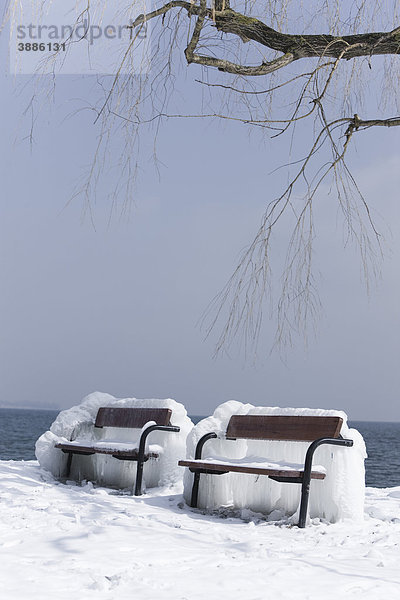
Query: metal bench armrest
x=142, y=450
x=201, y=442
x=81, y=426
x=148, y=430
x=316, y=443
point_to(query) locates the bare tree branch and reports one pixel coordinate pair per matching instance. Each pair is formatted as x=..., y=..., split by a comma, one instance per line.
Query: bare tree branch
x=293, y=47
x=317, y=62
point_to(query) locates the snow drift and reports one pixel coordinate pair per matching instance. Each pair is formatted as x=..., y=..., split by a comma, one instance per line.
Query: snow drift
x=339, y=496
x=77, y=423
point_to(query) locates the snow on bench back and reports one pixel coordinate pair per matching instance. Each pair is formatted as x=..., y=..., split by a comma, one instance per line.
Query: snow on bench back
x=339, y=496
x=78, y=423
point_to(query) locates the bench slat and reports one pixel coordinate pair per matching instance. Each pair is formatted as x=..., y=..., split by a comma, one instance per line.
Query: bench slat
x=110, y=416
x=289, y=428
x=76, y=449
x=228, y=468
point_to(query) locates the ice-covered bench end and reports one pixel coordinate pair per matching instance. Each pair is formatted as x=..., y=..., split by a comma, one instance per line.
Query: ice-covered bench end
x=304, y=448
x=122, y=442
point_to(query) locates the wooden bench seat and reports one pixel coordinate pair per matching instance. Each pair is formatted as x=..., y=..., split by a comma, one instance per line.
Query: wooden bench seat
x=107, y=448
x=252, y=467
x=145, y=419
x=317, y=430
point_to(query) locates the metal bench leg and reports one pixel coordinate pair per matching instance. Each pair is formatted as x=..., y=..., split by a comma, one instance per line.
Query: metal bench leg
x=69, y=462
x=139, y=478
x=195, y=490
x=196, y=480
x=305, y=493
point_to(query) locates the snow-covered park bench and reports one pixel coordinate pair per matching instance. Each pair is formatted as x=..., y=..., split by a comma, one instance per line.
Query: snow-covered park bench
x=146, y=420
x=261, y=459
x=105, y=440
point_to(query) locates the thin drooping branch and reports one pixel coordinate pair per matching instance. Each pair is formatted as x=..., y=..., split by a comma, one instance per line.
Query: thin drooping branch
x=249, y=283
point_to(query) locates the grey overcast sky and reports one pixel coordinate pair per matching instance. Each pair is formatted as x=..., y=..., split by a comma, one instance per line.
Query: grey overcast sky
x=116, y=309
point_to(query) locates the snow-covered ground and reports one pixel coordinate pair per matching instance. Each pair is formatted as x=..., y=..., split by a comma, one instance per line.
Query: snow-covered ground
x=68, y=541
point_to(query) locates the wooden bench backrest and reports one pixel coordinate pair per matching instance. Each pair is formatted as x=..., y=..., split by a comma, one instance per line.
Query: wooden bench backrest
x=290, y=428
x=134, y=418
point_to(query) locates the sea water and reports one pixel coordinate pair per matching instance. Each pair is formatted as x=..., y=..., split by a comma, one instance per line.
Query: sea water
x=19, y=430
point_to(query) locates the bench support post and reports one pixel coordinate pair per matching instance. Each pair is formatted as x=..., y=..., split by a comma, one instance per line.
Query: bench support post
x=142, y=451
x=305, y=487
x=69, y=463
x=139, y=478
x=195, y=490
x=305, y=494
x=196, y=479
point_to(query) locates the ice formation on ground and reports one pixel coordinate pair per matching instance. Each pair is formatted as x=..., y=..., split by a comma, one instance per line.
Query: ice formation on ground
x=77, y=423
x=339, y=496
